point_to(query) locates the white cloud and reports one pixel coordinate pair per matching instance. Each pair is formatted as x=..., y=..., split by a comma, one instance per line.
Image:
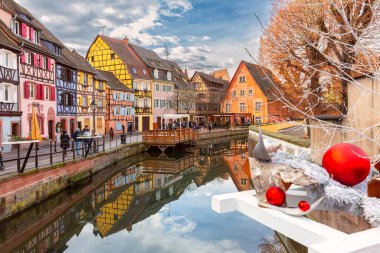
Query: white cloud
x=184, y=5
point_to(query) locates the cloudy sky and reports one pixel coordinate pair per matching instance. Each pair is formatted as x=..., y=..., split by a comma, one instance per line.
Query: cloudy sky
x=200, y=34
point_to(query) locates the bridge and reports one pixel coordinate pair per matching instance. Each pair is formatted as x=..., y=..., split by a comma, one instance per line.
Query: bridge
x=164, y=139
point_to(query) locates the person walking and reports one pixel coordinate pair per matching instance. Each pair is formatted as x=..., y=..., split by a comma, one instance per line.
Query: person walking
x=111, y=132
x=65, y=142
x=78, y=143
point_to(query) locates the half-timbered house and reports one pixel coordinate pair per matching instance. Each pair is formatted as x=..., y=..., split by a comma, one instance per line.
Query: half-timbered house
x=120, y=109
x=118, y=57
x=10, y=114
x=90, y=100
x=37, y=68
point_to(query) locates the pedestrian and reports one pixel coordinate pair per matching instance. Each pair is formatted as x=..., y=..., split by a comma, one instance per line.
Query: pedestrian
x=78, y=142
x=65, y=142
x=130, y=129
x=111, y=133
x=209, y=127
x=86, y=133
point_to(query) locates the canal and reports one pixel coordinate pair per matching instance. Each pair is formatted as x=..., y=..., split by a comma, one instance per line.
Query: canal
x=150, y=203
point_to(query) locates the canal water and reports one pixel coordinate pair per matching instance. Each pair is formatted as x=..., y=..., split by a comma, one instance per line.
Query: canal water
x=152, y=203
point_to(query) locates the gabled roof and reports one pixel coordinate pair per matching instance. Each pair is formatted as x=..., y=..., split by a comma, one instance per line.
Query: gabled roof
x=81, y=63
x=150, y=58
x=179, y=76
x=208, y=79
x=123, y=49
x=7, y=40
x=264, y=79
x=113, y=82
x=222, y=74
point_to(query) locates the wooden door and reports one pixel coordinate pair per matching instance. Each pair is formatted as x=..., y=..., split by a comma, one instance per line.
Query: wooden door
x=159, y=123
x=50, y=129
x=145, y=123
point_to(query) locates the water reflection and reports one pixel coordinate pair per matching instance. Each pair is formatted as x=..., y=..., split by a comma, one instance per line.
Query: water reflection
x=165, y=198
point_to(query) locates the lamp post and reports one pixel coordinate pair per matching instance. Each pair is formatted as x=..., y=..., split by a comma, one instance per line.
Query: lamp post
x=93, y=107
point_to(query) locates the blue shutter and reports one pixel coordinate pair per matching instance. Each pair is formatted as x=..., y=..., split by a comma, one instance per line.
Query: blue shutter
x=114, y=111
x=132, y=97
x=114, y=95
x=132, y=111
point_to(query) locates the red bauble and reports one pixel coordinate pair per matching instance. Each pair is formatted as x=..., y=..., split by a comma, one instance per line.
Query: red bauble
x=347, y=164
x=275, y=196
x=303, y=205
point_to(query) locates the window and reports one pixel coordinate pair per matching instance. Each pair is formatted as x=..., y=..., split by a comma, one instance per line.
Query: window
x=134, y=70
x=32, y=91
x=242, y=93
x=69, y=75
x=258, y=106
x=112, y=56
x=228, y=107
x=242, y=79
x=250, y=92
x=84, y=102
x=162, y=103
x=7, y=60
x=144, y=71
x=244, y=181
x=169, y=103
x=234, y=93
x=169, y=89
x=44, y=63
x=15, y=26
x=118, y=110
x=169, y=75
x=156, y=103
x=100, y=103
x=7, y=93
x=85, y=78
x=35, y=37
x=155, y=73
x=258, y=120
x=28, y=58
x=157, y=87
x=242, y=107
x=92, y=58
x=47, y=92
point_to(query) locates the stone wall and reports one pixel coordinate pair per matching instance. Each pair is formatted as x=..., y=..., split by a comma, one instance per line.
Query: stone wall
x=24, y=191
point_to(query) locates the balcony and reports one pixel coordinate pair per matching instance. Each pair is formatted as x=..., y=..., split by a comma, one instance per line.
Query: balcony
x=9, y=75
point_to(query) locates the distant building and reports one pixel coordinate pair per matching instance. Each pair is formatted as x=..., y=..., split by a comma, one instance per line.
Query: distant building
x=120, y=104
x=222, y=74
x=118, y=57
x=209, y=93
x=251, y=99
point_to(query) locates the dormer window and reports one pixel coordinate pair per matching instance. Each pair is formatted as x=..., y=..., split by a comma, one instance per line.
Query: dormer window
x=34, y=36
x=169, y=75
x=144, y=71
x=113, y=56
x=134, y=70
x=15, y=27
x=156, y=73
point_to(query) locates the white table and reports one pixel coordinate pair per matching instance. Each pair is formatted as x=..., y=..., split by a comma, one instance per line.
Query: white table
x=317, y=237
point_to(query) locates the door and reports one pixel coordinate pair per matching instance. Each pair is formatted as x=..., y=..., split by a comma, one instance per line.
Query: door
x=159, y=123
x=15, y=129
x=50, y=129
x=145, y=123
x=72, y=126
x=136, y=124
x=63, y=124
x=80, y=125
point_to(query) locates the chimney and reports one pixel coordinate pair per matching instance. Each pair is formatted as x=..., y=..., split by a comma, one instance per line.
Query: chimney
x=125, y=40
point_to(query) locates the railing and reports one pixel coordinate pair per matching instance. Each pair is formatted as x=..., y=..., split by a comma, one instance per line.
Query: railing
x=170, y=137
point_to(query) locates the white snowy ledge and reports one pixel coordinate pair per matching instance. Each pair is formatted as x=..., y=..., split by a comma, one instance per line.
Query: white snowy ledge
x=318, y=238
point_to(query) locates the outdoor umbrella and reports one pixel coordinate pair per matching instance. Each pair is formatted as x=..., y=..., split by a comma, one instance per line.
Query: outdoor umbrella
x=36, y=132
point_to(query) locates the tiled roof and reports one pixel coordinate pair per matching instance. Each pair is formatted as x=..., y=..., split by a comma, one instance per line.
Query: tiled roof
x=81, y=63
x=113, y=82
x=179, y=76
x=150, y=58
x=7, y=39
x=264, y=79
x=208, y=79
x=123, y=49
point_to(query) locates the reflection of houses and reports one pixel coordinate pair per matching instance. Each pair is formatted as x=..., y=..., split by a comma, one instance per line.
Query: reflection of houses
x=169, y=165
x=236, y=159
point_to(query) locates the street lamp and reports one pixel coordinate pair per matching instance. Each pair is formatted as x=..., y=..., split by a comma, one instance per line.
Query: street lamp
x=93, y=107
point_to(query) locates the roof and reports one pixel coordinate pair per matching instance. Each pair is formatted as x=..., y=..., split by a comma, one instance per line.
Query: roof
x=208, y=79
x=123, y=49
x=222, y=73
x=180, y=78
x=7, y=39
x=81, y=63
x=264, y=79
x=113, y=82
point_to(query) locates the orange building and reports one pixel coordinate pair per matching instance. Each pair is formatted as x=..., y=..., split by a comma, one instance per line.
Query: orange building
x=250, y=97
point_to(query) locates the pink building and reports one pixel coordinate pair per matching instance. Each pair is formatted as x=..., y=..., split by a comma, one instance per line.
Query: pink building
x=37, y=68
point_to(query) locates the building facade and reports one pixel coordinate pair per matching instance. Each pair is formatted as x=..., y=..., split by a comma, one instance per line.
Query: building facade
x=120, y=105
x=10, y=114
x=250, y=97
x=37, y=69
x=118, y=57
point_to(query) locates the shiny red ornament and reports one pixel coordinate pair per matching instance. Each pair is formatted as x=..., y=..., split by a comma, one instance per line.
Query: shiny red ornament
x=275, y=196
x=304, y=205
x=347, y=164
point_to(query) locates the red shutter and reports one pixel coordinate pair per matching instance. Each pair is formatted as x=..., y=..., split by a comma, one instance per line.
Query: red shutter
x=52, y=93
x=49, y=64
x=42, y=92
x=23, y=58
x=41, y=62
x=23, y=30
x=31, y=34
x=35, y=60
x=26, y=90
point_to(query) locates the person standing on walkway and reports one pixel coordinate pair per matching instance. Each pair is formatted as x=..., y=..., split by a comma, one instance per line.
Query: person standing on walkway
x=111, y=132
x=86, y=133
x=65, y=142
x=209, y=127
x=130, y=129
x=78, y=142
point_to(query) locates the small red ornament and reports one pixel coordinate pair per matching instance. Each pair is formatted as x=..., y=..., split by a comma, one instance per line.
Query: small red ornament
x=347, y=164
x=275, y=196
x=303, y=205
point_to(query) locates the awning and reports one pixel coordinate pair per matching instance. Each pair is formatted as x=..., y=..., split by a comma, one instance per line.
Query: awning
x=175, y=116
